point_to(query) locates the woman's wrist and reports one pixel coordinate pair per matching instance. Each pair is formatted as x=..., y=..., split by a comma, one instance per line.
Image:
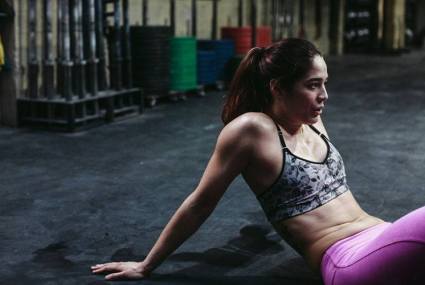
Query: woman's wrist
x=145, y=267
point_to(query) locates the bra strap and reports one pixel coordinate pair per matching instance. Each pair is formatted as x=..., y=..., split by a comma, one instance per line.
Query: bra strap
x=317, y=132
x=282, y=141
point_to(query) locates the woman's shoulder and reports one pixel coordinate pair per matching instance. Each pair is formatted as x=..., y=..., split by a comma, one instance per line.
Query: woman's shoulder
x=248, y=129
x=253, y=122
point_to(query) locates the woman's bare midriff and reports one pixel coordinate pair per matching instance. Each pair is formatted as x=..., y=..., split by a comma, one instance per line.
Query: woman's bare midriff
x=313, y=232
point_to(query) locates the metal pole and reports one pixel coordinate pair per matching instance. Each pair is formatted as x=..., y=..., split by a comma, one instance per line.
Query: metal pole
x=289, y=16
x=59, y=47
x=254, y=22
x=21, y=44
x=194, y=15
x=100, y=44
x=92, y=60
x=173, y=16
x=116, y=79
x=33, y=68
x=65, y=54
x=145, y=12
x=48, y=63
x=240, y=13
x=214, y=20
x=79, y=74
x=281, y=14
x=128, y=75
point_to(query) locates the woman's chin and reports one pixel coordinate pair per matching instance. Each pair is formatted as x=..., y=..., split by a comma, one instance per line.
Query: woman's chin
x=312, y=121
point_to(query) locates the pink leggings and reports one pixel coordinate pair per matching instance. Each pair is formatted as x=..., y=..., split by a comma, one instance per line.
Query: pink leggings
x=388, y=253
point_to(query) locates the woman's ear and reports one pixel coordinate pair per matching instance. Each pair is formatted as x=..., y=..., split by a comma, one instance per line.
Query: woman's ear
x=274, y=88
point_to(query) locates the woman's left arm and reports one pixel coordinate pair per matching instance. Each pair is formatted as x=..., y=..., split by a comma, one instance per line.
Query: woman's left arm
x=230, y=157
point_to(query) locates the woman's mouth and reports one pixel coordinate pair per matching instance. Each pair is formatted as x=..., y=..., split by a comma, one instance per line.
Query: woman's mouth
x=317, y=111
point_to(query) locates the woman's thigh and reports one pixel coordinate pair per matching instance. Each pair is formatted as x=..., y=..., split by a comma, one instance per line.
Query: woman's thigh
x=397, y=263
x=395, y=256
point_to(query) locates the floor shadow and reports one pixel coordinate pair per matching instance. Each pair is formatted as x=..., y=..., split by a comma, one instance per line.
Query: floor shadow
x=53, y=256
x=238, y=252
x=228, y=280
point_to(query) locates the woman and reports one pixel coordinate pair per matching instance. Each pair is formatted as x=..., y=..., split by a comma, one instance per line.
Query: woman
x=274, y=137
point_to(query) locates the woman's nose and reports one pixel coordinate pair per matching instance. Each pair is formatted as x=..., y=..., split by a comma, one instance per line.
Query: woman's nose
x=323, y=96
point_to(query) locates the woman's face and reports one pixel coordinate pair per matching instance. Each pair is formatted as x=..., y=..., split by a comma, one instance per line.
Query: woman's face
x=305, y=102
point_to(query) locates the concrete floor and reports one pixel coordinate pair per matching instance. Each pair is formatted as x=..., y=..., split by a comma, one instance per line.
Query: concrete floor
x=72, y=200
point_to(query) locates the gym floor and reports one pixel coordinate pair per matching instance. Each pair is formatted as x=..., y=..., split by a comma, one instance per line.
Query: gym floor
x=73, y=200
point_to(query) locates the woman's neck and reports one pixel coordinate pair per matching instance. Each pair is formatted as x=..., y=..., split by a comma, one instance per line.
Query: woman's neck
x=289, y=125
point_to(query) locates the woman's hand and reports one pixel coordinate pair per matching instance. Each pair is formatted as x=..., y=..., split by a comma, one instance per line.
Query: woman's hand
x=122, y=270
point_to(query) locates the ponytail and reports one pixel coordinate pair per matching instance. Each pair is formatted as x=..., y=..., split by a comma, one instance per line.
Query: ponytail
x=249, y=91
x=286, y=61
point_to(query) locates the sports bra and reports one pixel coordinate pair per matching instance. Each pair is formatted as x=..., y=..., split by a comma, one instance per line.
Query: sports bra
x=303, y=185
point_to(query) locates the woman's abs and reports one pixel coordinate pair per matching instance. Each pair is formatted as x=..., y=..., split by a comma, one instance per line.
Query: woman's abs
x=312, y=233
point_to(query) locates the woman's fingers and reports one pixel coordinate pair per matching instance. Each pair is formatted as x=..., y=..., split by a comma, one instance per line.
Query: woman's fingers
x=120, y=270
x=99, y=270
x=113, y=266
x=115, y=276
x=99, y=265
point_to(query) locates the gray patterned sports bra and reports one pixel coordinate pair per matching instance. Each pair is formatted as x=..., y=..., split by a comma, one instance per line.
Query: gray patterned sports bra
x=303, y=185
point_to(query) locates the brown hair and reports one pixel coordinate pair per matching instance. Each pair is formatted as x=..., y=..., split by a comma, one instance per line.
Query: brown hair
x=286, y=61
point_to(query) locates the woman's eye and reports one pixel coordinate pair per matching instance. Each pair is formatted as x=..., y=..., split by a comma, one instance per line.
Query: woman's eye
x=313, y=86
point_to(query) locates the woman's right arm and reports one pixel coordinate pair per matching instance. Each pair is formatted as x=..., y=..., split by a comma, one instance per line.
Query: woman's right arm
x=230, y=157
